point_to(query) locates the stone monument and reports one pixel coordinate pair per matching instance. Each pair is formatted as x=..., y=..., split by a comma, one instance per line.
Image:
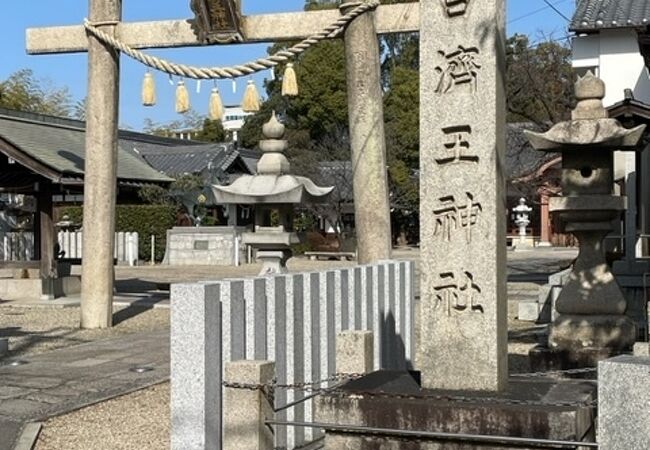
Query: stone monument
x=463, y=319
x=272, y=189
x=591, y=323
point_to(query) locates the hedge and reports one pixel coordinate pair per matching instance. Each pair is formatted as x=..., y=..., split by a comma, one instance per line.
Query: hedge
x=145, y=219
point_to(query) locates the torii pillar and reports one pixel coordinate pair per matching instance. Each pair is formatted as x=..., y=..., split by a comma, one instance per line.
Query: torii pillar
x=100, y=173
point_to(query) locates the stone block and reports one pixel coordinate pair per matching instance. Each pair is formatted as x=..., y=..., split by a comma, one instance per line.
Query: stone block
x=624, y=403
x=195, y=366
x=640, y=349
x=354, y=352
x=4, y=346
x=246, y=409
x=528, y=310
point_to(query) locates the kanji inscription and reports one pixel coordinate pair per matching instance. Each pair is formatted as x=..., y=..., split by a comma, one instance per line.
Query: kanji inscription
x=457, y=146
x=458, y=293
x=455, y=8
x=460, y=68
x=451, y=215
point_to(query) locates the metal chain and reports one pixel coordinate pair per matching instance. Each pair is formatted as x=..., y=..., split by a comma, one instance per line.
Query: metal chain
x=213, y=73
x=557, y=372
x=310, y=387
x=301, y=386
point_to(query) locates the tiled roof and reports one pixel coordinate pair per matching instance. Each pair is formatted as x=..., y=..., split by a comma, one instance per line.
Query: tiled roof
x=60, y=145
x=592, y=15
x=185, y=159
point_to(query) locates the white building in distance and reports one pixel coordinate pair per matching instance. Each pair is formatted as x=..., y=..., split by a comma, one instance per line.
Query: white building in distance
x=233, y=120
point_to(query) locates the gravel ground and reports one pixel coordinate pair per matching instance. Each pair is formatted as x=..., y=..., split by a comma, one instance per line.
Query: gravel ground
x=37, y=330
x=138, y=421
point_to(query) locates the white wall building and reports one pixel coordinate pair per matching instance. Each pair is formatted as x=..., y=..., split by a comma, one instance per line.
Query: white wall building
x=611, y=39
x=233, y=120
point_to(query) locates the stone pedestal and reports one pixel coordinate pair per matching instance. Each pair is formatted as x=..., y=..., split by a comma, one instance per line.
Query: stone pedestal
x=533, y=408
x=591, y=306
x=273, y=261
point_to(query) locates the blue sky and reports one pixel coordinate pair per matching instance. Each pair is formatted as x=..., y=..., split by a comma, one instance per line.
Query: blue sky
x=532, y=17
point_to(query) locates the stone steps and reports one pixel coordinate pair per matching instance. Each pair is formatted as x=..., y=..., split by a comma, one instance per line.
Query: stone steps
x=523, y=301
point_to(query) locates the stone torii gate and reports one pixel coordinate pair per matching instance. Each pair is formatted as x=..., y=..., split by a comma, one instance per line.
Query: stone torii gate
x=364, y=97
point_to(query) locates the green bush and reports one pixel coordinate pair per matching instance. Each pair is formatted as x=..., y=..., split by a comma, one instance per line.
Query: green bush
x=144, y=219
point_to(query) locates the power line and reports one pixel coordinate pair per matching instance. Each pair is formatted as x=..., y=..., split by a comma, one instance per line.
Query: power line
x=552, y=6
x=532, y=13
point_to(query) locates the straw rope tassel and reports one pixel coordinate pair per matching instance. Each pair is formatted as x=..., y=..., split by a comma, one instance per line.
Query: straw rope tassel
x=290, y=82
x=216, y=105
x=252, y=102
x=182, y=98
x=149, y=90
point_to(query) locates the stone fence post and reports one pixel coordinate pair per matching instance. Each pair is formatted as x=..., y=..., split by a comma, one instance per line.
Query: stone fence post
x=624, y=403
x=246, y=410
x=354, y=352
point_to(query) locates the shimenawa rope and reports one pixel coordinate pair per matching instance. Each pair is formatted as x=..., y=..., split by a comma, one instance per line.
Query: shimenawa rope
x=212, y=73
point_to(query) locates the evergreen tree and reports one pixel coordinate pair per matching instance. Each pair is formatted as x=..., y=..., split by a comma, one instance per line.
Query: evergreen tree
x=22, y=91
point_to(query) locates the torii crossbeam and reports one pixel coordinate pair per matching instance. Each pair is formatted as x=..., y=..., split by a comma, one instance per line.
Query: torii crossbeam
x=365, y=105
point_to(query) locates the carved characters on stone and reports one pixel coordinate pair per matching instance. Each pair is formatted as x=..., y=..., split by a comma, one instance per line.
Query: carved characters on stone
x=460, y=68
x=451, y=215
x=457, y=146
x=455, y=8
x=458, y=292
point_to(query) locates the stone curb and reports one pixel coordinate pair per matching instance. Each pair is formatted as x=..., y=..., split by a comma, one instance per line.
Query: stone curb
x=29, y=436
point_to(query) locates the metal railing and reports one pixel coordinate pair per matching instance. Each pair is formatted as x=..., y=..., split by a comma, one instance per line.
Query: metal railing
x=429, y=435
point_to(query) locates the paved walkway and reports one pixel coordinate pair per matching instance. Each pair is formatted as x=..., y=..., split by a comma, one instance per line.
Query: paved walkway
x=64, y=380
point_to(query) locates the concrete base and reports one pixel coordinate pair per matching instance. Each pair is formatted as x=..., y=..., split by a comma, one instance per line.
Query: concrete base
x=524, y=410
x=204, y=246
x=273, y=261
x=38, y=289
x=543, y=359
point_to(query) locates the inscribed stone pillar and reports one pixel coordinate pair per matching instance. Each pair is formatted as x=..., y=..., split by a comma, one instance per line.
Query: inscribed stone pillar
x=100, y=171
x=463, y=321
x=367, y=139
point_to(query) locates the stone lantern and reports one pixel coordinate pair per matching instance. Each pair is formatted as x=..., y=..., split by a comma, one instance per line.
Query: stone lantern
x=591, y=323
x=272, y=191
x=521, y=214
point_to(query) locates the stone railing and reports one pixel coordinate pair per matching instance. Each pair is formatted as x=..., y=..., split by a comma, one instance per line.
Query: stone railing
x=290, y=319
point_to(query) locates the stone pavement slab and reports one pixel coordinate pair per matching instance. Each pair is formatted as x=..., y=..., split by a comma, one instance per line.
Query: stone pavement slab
x=64, y=380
